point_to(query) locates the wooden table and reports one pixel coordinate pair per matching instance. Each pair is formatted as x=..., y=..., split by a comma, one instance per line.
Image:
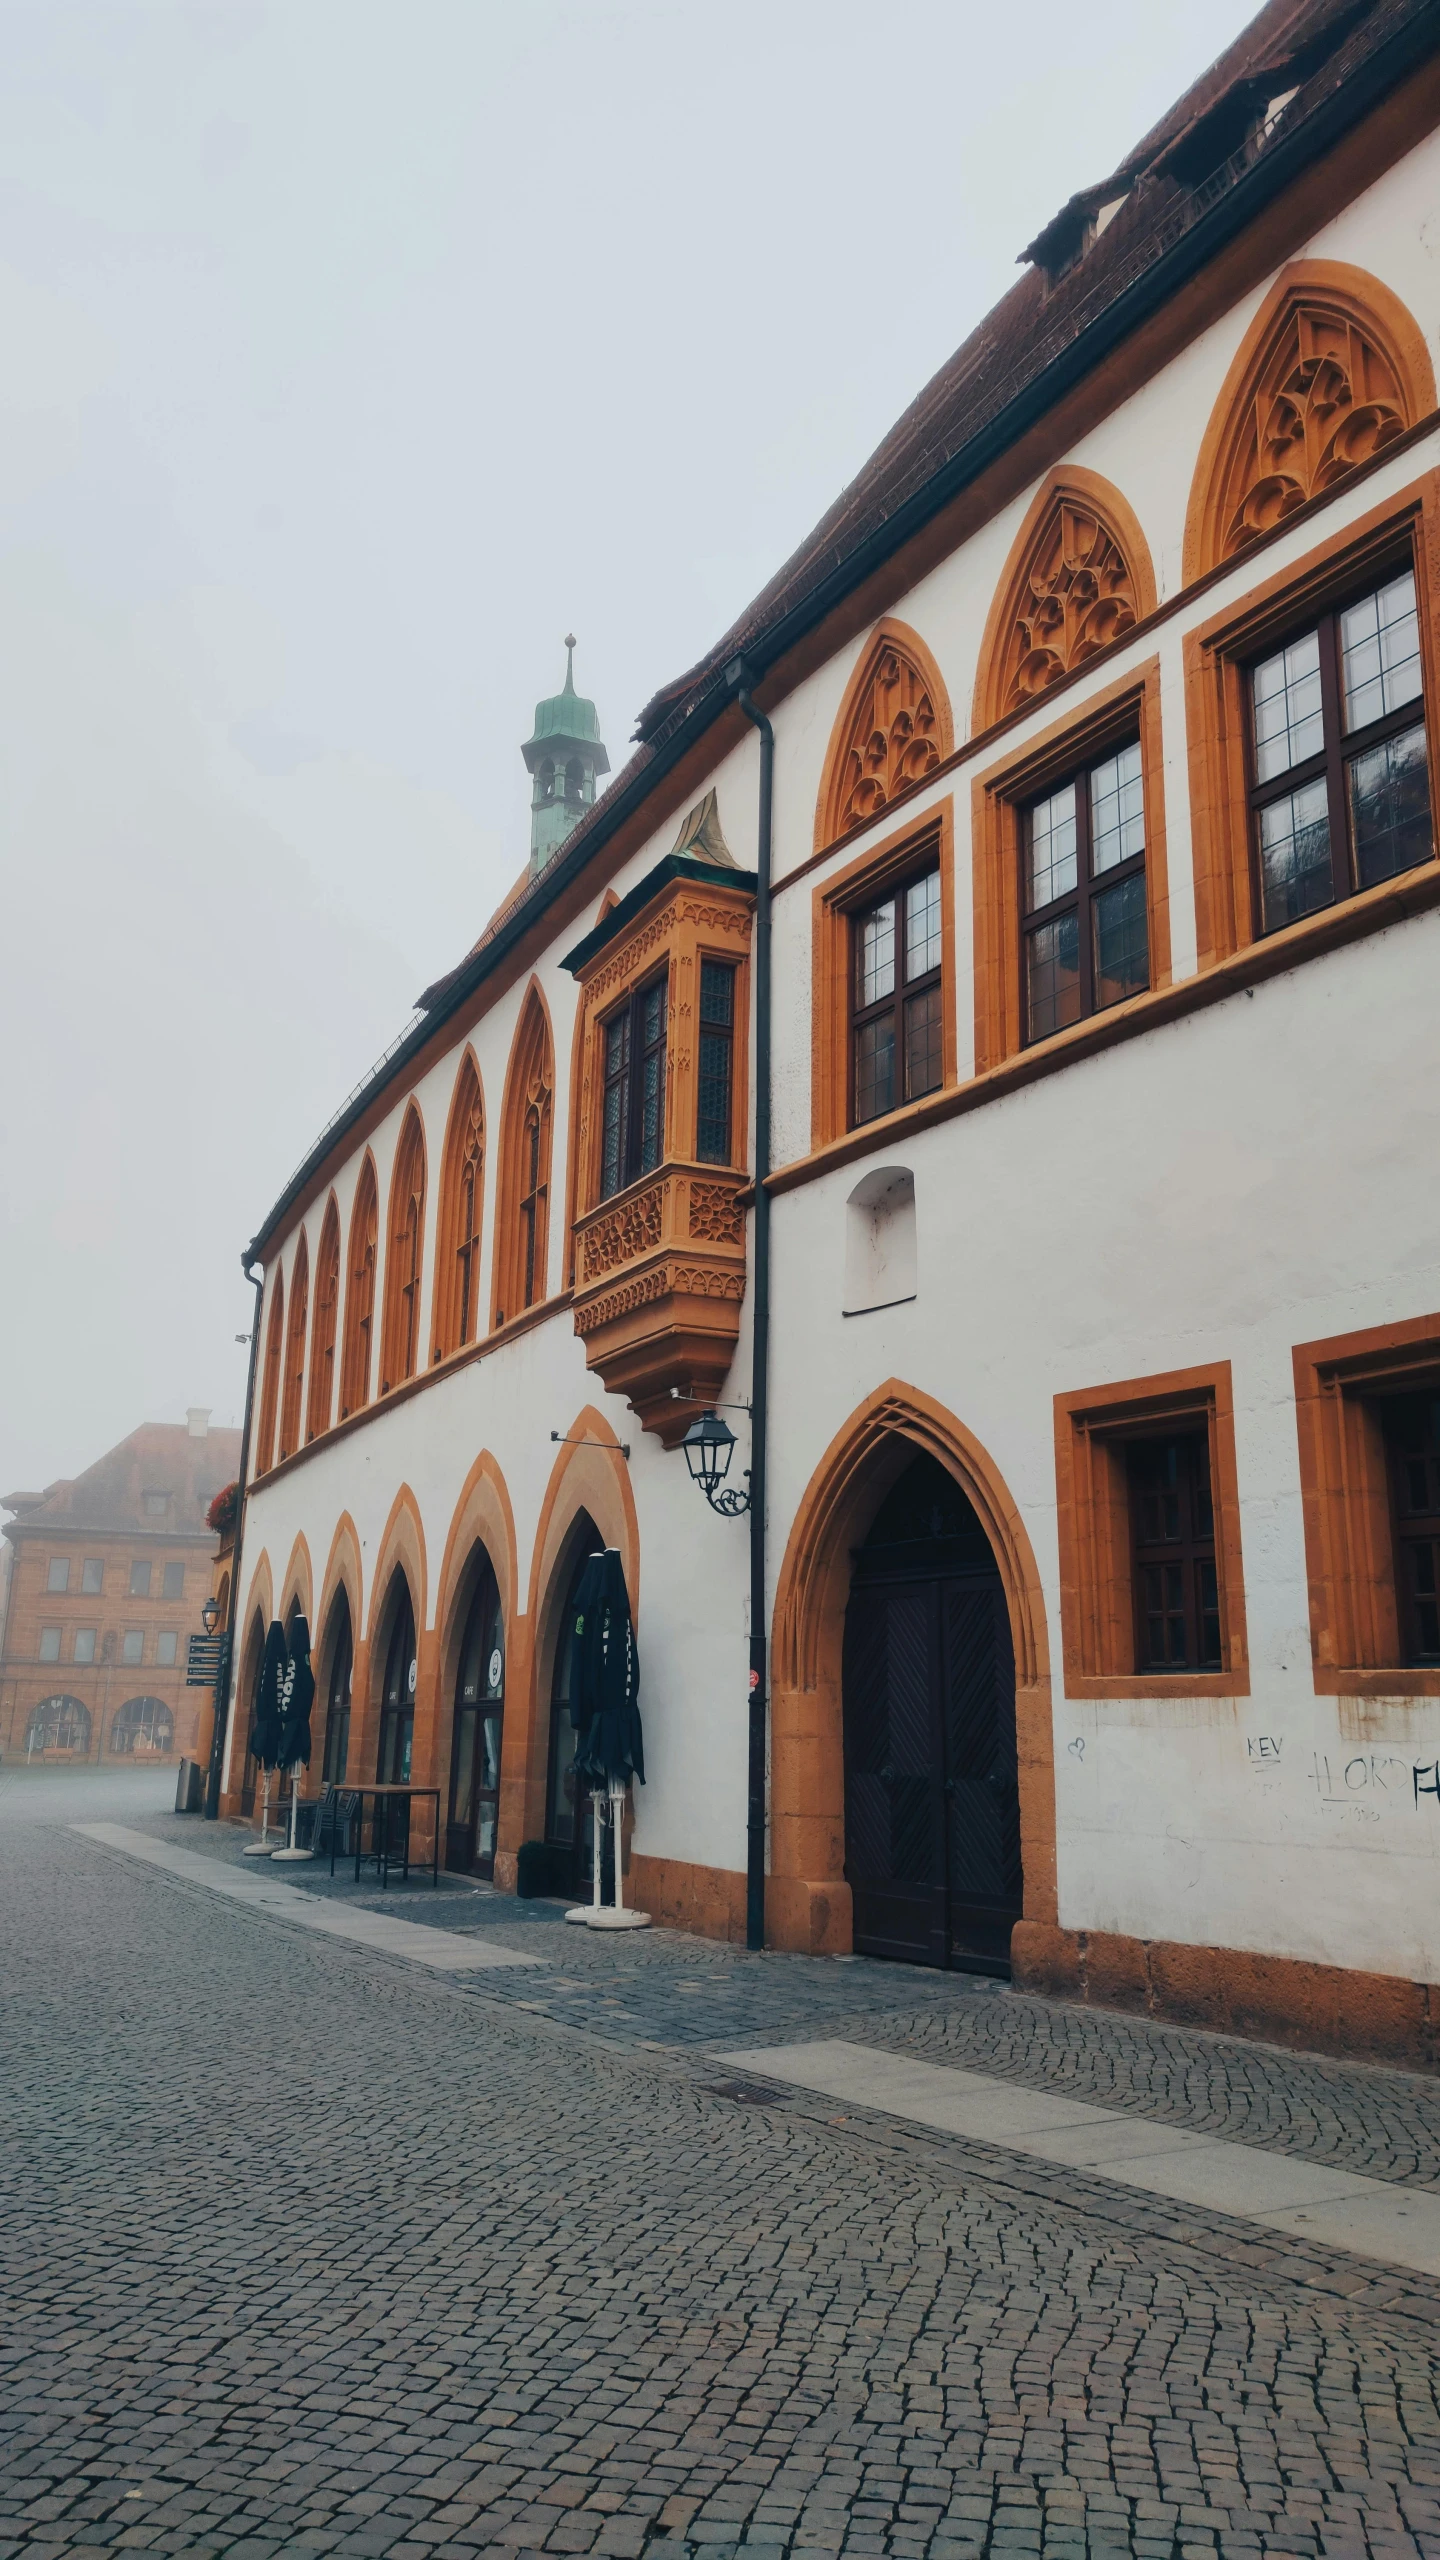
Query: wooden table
x=384, y=1795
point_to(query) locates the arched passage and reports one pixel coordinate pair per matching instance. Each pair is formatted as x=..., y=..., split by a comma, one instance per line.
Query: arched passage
x=809, y=1897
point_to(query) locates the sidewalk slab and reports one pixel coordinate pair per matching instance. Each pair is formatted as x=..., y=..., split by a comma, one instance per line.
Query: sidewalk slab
x=444, y=1950
x=1333, y=2207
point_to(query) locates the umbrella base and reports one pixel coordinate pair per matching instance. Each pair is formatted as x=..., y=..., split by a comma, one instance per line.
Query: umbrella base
x=292, y=1853
x=257, y=1849
x=580, y=1914
x=606, y=1918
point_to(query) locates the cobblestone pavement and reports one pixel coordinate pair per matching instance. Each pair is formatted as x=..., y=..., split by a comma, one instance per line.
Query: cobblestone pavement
x=304, y=2250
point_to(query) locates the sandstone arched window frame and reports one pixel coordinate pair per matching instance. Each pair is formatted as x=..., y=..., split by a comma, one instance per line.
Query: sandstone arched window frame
x=360, y=1290
x=404, y=1255
x=1079, y=577
x=321, y=1402
x=527, y=1122
x=271, y=1374
x=894, y=728
x=294, y=1377
x=1331, y=371
x=460, y=1221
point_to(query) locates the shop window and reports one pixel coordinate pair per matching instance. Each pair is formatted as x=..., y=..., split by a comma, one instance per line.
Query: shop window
x=58, y=1724
x=142, y=1728
x=1152, y=1589
x=58, y=1577
x=397, y=1696
x=633, y=1106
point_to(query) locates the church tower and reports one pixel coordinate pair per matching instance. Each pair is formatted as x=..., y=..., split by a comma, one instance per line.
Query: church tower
x=563, y=756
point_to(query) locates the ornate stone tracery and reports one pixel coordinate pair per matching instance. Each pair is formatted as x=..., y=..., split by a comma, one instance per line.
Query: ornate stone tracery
x=1331, y=372
x=894, y=728
x=1078, y=578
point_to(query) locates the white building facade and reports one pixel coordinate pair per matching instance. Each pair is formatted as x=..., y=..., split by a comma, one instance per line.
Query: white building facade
x=1103, y=1493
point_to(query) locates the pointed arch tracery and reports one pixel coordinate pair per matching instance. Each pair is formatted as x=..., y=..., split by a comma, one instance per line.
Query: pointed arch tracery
x=522, y=1221
x=462, y=1198
x=893, y=727
x=404, y=1257
x=360, y=1291
x=270, y=1380
x=1079, y=576
x=321, y=1401
x=1331, y=370
x=294, y=1378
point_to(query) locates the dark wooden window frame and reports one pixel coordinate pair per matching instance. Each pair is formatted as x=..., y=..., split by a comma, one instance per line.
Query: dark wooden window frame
x=631, y=1010
x=1340, y=748
x=719, y=1037
x=1415, y=1530
x=1081, y=899
x=1188, y=1553
x=904, y=990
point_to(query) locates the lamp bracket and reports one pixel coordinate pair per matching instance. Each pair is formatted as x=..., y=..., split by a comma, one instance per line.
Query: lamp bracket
x=569, y=1441
x=727, y=1499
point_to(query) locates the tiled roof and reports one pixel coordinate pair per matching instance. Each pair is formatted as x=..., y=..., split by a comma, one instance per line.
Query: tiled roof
x=159, y=1458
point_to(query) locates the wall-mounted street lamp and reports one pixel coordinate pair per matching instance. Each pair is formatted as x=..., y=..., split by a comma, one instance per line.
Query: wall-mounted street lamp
x=210, y=1615
x=708, y=1446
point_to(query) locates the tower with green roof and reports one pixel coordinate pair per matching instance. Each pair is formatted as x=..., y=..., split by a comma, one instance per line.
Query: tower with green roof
x=564, y=757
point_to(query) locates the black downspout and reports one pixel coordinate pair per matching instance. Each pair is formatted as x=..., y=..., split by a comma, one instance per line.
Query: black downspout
x=222, y=1694
x=760, y=1371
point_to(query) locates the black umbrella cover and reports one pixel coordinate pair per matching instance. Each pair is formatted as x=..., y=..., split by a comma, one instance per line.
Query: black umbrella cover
x=297, y=1696
x=605, y=1681
x=265, y=1728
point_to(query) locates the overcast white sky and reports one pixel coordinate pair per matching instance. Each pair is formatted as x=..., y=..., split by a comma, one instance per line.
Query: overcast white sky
x=353, y=351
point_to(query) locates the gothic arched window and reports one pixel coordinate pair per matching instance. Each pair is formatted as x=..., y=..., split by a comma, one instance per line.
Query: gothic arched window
x=522, y=1227
x=360, y=1293
x=295, y=1351
x=327, y=1310
x=270, y=1380
x=404, y=1250
x=462, y=1198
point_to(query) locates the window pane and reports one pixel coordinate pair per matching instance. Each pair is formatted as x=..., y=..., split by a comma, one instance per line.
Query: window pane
x=875, y=1068
x=84, y=1644
x=875, y=975
x=140, y=1580
x=165, y=1647
x=1117, y=810
x=133, y=1647
x=922, y=1043
x=1052, y=976
x=1389, y=789
x=49, y=1644
x=1122, y=949
x=1380, y=653
x=92, y=1577
x=652, y=1110
x=59, y=1576
x=173, y=1582
x=922, y=926
x=712, y=1137
x=1295, y=856
x=1051, y=848
x=717, y=991
x=1289, y=724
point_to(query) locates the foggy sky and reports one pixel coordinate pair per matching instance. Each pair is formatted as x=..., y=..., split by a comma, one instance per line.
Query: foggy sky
x=349, y=355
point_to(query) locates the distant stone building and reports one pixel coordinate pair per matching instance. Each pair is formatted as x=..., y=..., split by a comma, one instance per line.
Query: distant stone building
x=109, y=1574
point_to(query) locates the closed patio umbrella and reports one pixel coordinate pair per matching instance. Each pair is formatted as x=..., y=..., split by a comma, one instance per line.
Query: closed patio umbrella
x=605, y=1703
x=297, y=1696
x=267, y=1727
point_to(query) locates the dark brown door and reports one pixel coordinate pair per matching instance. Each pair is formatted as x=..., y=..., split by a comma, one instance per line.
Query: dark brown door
x=932, y=1804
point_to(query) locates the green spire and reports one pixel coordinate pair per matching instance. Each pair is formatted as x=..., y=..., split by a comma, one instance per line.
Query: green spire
x=564, y=754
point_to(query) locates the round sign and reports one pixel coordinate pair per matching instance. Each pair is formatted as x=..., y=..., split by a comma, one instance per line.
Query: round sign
x=410, y=1681
x=496, y=1667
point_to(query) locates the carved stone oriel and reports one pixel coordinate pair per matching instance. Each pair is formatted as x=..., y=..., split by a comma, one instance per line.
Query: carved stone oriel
x=659, y=1269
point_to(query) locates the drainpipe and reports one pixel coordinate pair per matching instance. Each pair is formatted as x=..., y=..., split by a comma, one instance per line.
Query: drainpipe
x=760, y=1372
x=222, y=1701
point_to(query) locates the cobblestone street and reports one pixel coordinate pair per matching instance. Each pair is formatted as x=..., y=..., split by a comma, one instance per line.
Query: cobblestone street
x=309, y=2249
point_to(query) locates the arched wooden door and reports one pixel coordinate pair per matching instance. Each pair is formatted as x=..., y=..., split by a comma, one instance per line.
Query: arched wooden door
x=479, y=1724
x=932, y=1797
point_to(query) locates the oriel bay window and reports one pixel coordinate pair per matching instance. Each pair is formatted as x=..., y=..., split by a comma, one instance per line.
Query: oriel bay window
x=1085, y=934
x=1339, y=770
x=634, y=1084
x=896, y=1046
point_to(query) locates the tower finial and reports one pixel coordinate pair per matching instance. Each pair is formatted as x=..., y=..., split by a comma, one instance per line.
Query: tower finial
x=569, y=661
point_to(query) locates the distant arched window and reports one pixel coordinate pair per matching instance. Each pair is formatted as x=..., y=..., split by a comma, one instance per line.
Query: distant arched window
x=58, y=1724
x=462, y=1197
x=404, y=1250
x=574, y=779
x=523, y=1212
x=295, y=1350
x=143, y=1729
x=270, y=1378
x=360, y=1293
x=322, y=1337
x=547, y=777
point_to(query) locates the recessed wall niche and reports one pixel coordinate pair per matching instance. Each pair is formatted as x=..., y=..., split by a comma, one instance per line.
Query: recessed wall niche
x=880, y=1263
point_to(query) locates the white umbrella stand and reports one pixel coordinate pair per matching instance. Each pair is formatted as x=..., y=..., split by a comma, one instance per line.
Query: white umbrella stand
x=292, y=1851
x=264, y=1846
x=614, y=1915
